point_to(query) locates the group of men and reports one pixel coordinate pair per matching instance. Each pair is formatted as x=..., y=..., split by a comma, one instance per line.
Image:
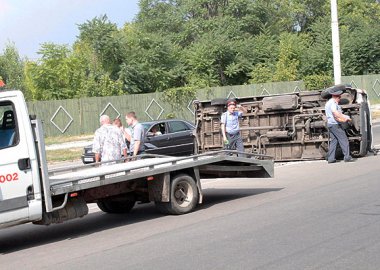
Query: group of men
x=110, y=141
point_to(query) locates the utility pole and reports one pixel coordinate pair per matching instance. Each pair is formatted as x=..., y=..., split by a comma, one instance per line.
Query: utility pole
x=335, y=42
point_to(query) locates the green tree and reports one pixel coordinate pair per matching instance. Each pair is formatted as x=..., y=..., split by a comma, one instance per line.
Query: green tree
x=11, y=68
x=353, y=14
x=360, y=40
x=264, y=57
x=291, y=47
x=317, y=56
x=360, y=51
x=102, y=36
x=50, y=76
x=150, y=62
x=261, y=73
x=177, y=45
x=92, y=80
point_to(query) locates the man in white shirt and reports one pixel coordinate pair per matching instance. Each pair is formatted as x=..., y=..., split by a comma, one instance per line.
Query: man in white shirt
x=230, y=126
x=109, y=141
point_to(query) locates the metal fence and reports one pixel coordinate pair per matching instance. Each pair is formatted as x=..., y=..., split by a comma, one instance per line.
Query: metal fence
x=81, y=116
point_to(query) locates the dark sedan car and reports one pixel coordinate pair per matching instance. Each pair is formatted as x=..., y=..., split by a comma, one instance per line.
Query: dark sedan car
x=172, y=137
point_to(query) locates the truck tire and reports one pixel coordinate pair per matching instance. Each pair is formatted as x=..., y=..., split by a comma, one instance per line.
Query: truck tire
x=365, y=130
x=326, y=94
x=116, y=206
x=184, y=196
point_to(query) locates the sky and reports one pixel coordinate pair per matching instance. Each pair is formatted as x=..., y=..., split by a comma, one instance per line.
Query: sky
x=29, y=23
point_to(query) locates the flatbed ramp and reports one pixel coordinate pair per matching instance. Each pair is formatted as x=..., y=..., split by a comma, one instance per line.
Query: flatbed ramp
x=213, y=164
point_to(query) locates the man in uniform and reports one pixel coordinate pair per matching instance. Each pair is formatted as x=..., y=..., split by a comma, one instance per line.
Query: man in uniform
x=109, y=141
x=230, y=126
x=337, y=134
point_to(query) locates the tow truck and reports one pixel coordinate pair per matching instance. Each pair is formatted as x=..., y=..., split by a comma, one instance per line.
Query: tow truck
x=29, y=192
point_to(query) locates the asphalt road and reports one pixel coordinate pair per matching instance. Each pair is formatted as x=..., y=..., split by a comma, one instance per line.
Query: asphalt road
x=376, y=133
x=312, y=215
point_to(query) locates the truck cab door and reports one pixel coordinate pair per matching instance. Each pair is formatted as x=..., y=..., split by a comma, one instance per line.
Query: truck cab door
x=17, y=190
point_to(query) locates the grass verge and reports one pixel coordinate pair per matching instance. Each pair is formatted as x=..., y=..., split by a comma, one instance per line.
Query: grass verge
x=64, y=139
x=64, y=155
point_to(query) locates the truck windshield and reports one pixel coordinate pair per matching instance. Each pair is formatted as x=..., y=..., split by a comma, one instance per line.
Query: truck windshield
x=8, y=130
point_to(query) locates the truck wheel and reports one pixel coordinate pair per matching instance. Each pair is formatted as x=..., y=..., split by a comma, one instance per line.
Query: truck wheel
x=365, y=130
x=116, y=206
x=183, y=196
x=326, y=94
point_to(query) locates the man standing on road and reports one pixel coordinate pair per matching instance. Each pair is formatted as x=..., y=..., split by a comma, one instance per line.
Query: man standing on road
x=230, y=126
x=137, y=137
x=109, y=141
x=335, y=118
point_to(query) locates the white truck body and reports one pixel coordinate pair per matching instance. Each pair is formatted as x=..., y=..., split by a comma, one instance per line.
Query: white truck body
x=30, y=193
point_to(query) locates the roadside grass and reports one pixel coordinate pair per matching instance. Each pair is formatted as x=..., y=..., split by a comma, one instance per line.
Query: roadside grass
x=71, y=154
x=65, y=139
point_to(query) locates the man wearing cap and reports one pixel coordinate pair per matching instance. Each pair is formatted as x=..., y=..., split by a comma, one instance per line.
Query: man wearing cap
x=336, y=132
x=230, y=126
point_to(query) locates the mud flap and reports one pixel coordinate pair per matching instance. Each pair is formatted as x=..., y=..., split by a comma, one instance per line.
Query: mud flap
x=198, y=182
x=159, y=188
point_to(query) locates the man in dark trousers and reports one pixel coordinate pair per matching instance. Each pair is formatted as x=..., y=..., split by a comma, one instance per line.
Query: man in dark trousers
x=230, y=126
x=337, y=134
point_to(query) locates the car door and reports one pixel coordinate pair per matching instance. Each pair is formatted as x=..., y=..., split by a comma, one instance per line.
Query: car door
x=181, y=138
x=16, y=176
x=158, y=144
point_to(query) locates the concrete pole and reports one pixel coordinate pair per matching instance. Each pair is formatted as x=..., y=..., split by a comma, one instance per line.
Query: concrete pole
x=335, y=42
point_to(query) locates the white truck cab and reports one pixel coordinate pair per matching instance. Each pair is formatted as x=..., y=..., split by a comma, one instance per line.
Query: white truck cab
x=20, y=191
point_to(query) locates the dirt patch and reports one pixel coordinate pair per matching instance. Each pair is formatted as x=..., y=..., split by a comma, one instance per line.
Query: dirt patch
x=67, y=139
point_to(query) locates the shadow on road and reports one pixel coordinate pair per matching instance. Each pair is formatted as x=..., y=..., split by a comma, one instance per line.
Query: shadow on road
x=214, y=196
x=28, y=236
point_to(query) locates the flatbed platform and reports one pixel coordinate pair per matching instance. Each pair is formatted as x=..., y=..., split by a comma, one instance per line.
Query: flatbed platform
x=214, y=163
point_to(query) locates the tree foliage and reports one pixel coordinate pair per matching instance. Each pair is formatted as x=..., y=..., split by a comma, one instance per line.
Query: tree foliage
x=11, y=67
x=191, y=44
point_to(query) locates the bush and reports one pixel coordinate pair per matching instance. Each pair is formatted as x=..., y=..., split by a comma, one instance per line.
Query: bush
x=316, y=82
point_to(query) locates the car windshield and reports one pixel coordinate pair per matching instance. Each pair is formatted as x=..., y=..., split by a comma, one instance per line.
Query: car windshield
x=146, y=125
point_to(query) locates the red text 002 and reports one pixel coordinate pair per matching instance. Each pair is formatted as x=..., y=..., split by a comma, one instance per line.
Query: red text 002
x=8, y=177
